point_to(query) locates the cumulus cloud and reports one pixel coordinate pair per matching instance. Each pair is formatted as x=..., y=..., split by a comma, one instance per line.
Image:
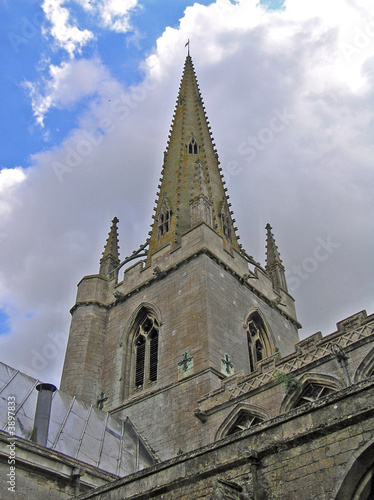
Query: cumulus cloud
x=66, y=84
x=293, y=123
x=66, y=35
x=10, y=178
x=113, y=15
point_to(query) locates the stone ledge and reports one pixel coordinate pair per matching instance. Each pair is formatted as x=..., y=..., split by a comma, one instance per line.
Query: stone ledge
x=30, y=455
x=207, y=461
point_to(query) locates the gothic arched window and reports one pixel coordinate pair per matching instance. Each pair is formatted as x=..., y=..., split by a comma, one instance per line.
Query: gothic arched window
x=244, y=421
x=313, y=391
x=192, y=147
x=258, y=342
x=146, y=352
x=164, y=218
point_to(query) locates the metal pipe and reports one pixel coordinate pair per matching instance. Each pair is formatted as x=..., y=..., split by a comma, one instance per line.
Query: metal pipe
x=42, y=413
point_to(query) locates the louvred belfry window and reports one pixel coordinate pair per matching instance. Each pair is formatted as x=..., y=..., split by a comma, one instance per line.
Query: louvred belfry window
x=140, y=359
x=146, y=352
x=153, y=356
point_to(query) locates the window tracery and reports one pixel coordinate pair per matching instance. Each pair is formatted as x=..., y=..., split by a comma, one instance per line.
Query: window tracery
x=244, y=421
x=313, y=391
x=258, y=344
x=192, y=146
x=164, y=219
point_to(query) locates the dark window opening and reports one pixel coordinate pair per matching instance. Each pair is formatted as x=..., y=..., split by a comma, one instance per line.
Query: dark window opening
x=258, y=345
x=312, y=392
x=259, y=350
x=251, y=363
x=164, y=220
x=244, y=421
x=192, y=147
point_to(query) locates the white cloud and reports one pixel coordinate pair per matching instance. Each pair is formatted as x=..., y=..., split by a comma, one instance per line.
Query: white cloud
x=312, y=180
x=66, y=85
x=66, y=35
x=10, y=179
x=115, y=14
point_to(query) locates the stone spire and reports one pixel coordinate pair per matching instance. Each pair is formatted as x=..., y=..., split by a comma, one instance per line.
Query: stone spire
x=191, y=189
x=110, y=259
x=274, y=266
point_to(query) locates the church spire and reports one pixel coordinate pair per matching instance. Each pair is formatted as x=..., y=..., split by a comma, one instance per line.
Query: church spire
x=274, y=266
x=191, y=189
x=110, y=259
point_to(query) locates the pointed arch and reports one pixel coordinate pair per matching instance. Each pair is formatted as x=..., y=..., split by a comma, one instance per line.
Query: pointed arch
x=259, y=339
x=311, y=387
x=192, y=146
x=140, y=355
x=242, y=417
x=164, y=218
x=366, y=367
x=357, y=482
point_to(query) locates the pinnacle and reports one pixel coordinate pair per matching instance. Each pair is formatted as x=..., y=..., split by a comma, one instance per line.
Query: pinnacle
x=272, y=253
x=274, y=266
x=111, y=248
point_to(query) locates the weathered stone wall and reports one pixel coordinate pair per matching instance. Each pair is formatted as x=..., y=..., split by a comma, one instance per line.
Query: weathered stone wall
x=202, y=308
x=84, y=353
x=264, y=395
x=307, y=453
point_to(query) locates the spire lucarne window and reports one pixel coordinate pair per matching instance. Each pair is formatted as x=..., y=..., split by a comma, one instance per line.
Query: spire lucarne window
x=146, y=352
x=192, y=147
x=164, y=219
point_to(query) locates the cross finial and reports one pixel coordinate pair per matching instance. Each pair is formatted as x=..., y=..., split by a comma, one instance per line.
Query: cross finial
x=187, y=44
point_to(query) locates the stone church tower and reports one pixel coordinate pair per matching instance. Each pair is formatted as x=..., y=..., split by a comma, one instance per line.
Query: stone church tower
x=194, y=312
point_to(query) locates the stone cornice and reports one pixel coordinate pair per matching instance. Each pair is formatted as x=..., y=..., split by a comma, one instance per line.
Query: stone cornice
x=202, y=251
x=86, y=303
x=136, y=398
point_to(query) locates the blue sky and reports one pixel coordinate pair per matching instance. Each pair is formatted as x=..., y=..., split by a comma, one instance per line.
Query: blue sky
x=69, y=66
x=23, y=49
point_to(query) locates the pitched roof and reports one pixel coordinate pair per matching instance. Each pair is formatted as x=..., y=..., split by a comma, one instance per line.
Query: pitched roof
x=76, y=429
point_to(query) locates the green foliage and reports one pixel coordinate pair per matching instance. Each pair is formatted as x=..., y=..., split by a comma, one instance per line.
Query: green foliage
x=288, y=380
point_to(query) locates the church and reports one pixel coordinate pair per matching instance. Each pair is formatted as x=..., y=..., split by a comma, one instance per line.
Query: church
x=184, y=374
